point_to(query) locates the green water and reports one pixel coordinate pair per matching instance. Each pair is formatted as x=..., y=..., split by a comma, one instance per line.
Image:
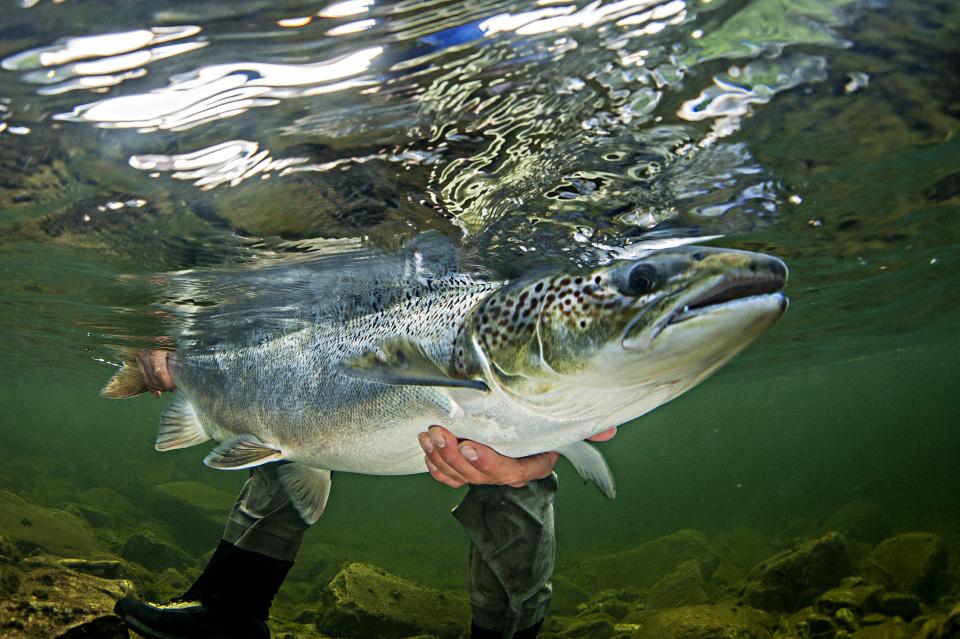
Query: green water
x=850, y=398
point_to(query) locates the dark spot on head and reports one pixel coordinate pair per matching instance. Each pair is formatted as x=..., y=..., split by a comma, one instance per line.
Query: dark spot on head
x=699, y=256
x=550, y=298
x=565, y=281
x=578, y=281
x=510, y=302
x=538, y=287
x=597, y=280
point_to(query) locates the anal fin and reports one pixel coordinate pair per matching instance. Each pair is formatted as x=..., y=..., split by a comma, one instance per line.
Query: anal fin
x=307, y=487
x=179, y=426
x=590, y=464
x=242, y=451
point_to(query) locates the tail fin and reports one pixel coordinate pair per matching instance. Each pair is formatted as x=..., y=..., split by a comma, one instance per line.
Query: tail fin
x=126, y=382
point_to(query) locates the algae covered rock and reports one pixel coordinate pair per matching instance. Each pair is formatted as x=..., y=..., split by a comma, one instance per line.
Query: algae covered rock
x=794, y=578
x=363, y=601
x=151, y=552
x=706, y=622
x=51, y=600
x=859, y=520
x=46, y=529
x=912, y=562
x=683, y=586
x=862, y=598
x=645, y=564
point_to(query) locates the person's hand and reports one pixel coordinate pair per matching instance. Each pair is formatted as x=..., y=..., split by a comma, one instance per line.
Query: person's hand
x=154, y=371
x=455, y=463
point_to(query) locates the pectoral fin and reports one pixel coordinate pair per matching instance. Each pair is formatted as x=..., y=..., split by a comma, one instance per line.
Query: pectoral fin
x=308, y=489
x=179, y=426
x=402, y=362
x=242, y=451
x=591, y=465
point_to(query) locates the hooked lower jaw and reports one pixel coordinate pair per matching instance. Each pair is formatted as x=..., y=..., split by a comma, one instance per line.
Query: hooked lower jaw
x=760, y=294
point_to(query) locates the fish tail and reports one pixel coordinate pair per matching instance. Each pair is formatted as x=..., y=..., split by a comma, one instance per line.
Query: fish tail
x=126, y=382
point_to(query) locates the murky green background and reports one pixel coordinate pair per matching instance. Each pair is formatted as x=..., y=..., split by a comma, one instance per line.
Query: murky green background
x=523, y=148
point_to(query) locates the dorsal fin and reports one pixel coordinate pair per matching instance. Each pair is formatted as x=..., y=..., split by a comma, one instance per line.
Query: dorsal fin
x=242, y=451
x=402, y=362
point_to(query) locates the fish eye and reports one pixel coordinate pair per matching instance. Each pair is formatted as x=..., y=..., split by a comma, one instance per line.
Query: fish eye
x=641, y=279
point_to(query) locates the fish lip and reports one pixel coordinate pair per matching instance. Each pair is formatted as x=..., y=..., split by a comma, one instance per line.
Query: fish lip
x=719, y=291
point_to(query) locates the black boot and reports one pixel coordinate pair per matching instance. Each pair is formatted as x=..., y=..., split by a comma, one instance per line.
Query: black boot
x=230, y=600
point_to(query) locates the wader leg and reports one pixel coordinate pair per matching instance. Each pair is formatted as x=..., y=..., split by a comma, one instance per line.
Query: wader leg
x=512, y=548
x=263, y=519
x=231, y=599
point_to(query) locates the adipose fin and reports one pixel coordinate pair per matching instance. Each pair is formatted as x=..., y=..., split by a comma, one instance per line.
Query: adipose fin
x=242, y=451
x=308, y=488
x=591, y=465
x=179, y=426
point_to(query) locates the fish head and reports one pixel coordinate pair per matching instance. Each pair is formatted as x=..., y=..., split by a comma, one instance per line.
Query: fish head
x=626, y=336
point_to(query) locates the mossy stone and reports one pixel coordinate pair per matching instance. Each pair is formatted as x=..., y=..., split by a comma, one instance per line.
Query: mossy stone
x=899, y=604
x=363, y=601
x=861, y=598
x=859, y=520
x=591, y=626
x=51, y=600
x=683, y=586
x=36, y=527
x=912, y=562
x=794, y=578
x=151, y=552
x=706, y=622
x=643, y=565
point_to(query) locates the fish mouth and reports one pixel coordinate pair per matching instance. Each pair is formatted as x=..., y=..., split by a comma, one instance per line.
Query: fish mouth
x=757, y=289
x=724, y=293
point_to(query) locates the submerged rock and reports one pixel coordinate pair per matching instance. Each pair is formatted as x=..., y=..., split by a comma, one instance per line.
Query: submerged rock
x=888, y=629
x=365, y=602
x=48, y=599
x=913, y=562
x=793, y=579
x=151, y=552
x=859, y=520
x=899, y=604
x=706, y=622
x=861, y=598
x=41, y=529
x=647, y=563
x=683, y=586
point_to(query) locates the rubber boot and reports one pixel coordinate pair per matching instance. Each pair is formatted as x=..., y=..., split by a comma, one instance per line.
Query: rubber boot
x=229, y=600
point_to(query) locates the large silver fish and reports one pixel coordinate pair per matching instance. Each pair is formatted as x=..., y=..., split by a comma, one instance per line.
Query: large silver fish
x=527, y=366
